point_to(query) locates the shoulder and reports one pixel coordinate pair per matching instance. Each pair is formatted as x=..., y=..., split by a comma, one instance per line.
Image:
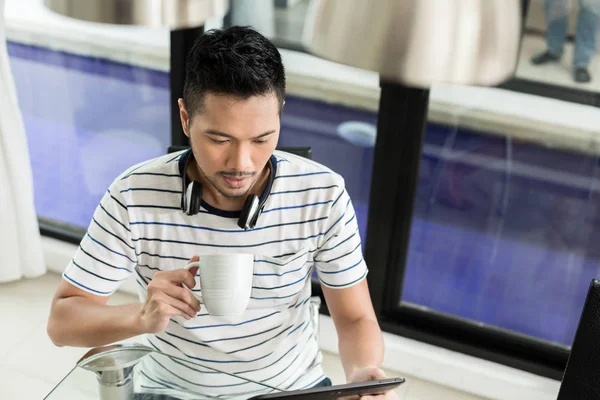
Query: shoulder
x=296, y=173
x=157, y=173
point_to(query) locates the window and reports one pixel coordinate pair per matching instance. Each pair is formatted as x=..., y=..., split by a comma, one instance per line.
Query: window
x=500, y=251
x=87, y=119
x=505, y=221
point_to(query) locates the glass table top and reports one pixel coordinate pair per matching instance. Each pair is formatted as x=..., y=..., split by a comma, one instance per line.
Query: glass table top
x=131, y=371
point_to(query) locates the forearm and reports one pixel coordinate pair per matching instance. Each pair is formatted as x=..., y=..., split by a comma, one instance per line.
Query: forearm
x=360, y=345
x=79, y=322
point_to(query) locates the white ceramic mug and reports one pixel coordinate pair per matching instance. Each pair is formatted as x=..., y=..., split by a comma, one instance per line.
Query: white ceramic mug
x=225, y=282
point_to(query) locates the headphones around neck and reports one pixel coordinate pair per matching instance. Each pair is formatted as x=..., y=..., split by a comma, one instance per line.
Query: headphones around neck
x=191, y=197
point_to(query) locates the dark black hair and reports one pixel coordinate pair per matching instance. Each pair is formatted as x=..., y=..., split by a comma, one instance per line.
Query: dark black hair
x=235, y=61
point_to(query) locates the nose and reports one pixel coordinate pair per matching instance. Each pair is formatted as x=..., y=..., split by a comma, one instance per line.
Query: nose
x=240, y=158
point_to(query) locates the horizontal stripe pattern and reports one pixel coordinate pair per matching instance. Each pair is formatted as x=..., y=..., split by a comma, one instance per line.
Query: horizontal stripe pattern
x=339, y=261
x=308, y=223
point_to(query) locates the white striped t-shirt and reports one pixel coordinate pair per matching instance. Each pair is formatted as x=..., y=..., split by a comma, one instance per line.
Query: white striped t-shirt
x=308, y=223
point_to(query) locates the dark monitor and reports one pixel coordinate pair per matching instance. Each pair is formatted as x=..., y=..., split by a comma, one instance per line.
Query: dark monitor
x=581, y=379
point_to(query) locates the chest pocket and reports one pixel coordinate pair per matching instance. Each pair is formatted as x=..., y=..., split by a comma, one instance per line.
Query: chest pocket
x=281, y=281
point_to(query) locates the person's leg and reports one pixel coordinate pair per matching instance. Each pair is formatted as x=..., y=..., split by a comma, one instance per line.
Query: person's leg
x=586, y=43
x=557, y=23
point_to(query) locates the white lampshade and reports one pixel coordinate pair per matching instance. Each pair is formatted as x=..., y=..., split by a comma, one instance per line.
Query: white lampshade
x=419, y=42
x=171, y=14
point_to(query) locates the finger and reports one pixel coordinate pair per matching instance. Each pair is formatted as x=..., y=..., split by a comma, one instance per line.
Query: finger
x=367, y=374
x=182, y=294
x=374, y=374
x=177, y=276
x=165, y=286
x=181, y=306
x=194, y=259
x=164, y=308
x=378, y=373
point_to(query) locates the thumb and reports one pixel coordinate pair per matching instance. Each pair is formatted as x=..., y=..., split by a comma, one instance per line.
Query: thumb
x=379, y=374
x=367, y=374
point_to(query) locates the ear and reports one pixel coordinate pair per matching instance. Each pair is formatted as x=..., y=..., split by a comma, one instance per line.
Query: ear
x=185, y=118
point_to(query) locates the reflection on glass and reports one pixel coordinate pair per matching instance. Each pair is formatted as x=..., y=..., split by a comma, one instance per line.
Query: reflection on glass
x=279, y=20
x=560, y=43
x=154, y=376
x=159, y=374
x=506, y=228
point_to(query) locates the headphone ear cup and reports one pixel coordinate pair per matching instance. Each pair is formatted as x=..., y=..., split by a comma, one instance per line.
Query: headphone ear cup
x=195, y=198
x=250, y=211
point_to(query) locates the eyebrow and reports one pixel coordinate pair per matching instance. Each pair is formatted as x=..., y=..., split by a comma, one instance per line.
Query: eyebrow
x=226, y=135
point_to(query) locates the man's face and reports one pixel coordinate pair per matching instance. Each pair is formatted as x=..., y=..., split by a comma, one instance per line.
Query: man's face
x=232, y=139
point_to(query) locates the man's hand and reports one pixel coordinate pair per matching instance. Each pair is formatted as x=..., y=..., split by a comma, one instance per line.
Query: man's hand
x=167, y=297
x=372, y=374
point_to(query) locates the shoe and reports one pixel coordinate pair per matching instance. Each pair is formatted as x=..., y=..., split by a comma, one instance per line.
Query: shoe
x=581, y=75
x=544, y=58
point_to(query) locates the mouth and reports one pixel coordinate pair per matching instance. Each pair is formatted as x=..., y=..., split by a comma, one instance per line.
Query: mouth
x=235, y=182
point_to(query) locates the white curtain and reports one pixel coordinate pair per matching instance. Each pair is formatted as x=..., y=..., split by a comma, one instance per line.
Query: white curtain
x=20, y=242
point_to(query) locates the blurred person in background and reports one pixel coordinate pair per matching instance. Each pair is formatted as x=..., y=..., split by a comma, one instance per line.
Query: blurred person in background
x=557, y=19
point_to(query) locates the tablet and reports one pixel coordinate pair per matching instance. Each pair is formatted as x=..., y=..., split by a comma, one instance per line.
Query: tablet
x=337, y=391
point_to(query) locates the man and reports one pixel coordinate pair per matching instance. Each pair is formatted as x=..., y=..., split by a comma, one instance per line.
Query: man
x=557, y=17
x=231, y=107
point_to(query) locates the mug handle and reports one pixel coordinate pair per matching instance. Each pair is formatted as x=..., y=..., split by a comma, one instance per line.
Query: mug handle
x=187, y=268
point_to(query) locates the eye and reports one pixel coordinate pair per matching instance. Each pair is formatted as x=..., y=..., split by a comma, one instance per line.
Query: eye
x=261, y=141
x=215, y=141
